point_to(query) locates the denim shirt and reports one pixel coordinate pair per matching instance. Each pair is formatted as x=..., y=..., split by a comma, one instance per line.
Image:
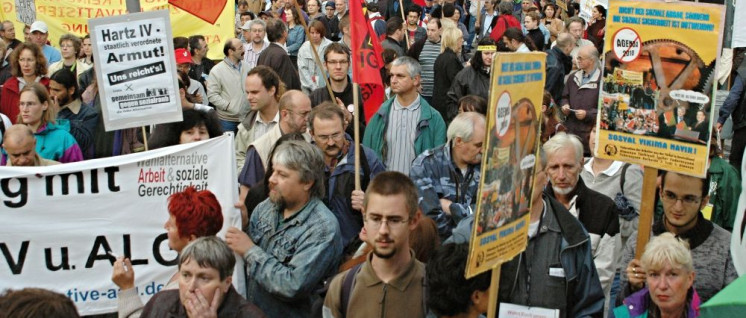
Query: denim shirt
x=436, y=176
x=291, y=259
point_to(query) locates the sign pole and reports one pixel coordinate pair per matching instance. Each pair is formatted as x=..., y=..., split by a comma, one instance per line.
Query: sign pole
x=647, y=208
x=144, y=137
x=494, y=287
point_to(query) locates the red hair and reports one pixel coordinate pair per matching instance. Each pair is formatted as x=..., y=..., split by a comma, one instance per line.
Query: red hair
x=196, y=213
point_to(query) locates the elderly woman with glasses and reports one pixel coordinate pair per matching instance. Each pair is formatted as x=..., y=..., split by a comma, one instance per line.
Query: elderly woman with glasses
x=669, y=277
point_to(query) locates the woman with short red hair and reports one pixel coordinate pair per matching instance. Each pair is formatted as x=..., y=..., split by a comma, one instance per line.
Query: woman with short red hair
x=192, y=214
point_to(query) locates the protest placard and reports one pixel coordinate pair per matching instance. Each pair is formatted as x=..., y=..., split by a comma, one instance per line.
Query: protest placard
x=60, y=221
x=72, y=17
x=501, y=220
x=135, y=69
x=663, y=120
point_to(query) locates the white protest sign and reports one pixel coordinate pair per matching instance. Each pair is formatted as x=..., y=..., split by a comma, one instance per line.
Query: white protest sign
x=627, y=45
x=60, y=221
x=135, y=69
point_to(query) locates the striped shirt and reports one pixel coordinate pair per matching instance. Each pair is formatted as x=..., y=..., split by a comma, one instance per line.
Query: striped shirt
x=430, y=52
x=400, y=135
x=251, y=56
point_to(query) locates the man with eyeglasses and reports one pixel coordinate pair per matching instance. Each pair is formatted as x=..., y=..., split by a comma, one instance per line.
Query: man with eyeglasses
x=337, y=63
x=597, y=212
x=391, y=281
x=326, y=123
x=683, y=198
x=294, y=107
x=447, y=176
x=580, y=96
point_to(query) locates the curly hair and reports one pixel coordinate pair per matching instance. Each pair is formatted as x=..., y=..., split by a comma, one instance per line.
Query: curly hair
x=196, y=213
x=41, y=61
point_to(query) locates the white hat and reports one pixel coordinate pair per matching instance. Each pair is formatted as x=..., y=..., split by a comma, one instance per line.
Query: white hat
x=246, y=26
x=39, y=26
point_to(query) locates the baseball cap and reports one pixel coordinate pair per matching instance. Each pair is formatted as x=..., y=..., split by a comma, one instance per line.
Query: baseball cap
x=183, y=56
x=39, y=26
x=246, y=26
x=329, y=4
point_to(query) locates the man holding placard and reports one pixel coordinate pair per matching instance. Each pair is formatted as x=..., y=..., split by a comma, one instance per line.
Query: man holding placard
x=556, y=271
x=683, y=198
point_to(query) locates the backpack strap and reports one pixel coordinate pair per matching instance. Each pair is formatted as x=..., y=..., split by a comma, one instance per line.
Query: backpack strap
x=624, y=174
x=347, y=285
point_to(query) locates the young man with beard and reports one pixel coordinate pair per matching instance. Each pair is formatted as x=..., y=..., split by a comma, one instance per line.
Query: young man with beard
x=63, y=89
x=391, y=282
x=293, y=240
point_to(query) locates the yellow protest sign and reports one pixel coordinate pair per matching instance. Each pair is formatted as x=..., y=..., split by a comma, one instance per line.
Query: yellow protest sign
x=501, y=221
x=655, y=107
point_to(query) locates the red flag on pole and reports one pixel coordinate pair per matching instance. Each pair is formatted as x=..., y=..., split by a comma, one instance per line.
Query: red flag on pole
x=366, y=59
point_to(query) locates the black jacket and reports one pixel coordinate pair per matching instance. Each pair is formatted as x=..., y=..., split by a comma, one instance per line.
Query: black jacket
x=558, y=65
x=446, y=67
x=468, y=82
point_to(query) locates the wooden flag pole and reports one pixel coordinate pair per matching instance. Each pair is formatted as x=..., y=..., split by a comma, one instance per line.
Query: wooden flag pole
x=647, y=208
x=316, y=58
x=494, y=287
x=404, y=22
x=356, y=126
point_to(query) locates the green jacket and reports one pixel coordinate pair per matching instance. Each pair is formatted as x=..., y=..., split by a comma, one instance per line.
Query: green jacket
x=431, y=129
x=725, y=187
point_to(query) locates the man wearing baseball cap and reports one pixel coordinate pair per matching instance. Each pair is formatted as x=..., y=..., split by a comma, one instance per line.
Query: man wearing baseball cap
x=39, y=33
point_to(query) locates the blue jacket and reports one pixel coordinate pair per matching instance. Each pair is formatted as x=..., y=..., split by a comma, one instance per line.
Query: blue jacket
x=296, y=37
x=291, y=258
x=431, y=129
x=437, y=177
x=561, y=241
x=339, y=189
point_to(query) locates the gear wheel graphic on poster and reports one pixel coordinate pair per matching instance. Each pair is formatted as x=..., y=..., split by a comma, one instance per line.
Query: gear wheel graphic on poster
x=670, y=66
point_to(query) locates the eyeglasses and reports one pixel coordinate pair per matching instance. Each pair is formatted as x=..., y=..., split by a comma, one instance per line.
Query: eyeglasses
x=393, y=222
x=338, y=62
x=325, y=138
x=671, y=198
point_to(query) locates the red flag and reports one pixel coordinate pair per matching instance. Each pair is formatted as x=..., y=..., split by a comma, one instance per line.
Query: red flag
x=366, y=59
x=208, y=10
x=421, y=3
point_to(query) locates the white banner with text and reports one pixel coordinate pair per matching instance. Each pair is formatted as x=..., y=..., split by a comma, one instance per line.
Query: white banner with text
x=59, y=222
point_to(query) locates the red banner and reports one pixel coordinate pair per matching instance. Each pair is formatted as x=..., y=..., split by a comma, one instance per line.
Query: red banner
x=366, y=59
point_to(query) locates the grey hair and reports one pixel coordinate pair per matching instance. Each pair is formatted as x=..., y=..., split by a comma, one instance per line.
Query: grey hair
x=413, y=67
x=463, y=125
x=559, y=141
x=505, y=7
x=212, y=252
x=667, y=248
x=305, y=158
x=258, y=21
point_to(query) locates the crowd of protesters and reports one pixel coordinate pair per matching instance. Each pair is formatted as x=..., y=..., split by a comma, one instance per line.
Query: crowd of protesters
x=314, y=245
